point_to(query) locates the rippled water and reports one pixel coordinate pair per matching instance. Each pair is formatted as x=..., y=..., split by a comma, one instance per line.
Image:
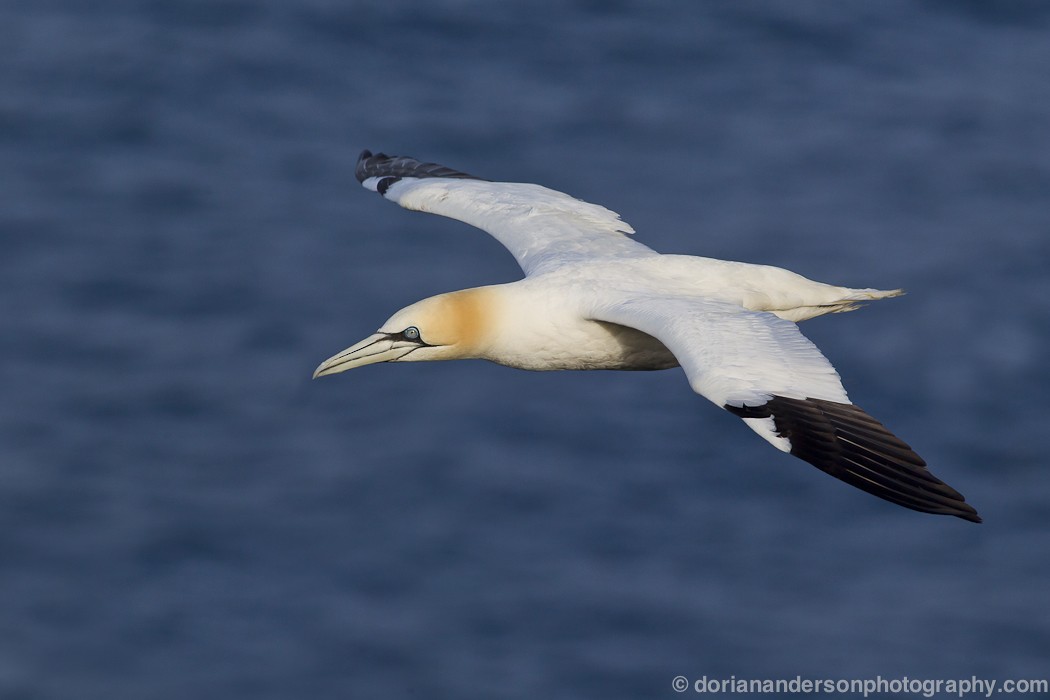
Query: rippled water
x=183, y=513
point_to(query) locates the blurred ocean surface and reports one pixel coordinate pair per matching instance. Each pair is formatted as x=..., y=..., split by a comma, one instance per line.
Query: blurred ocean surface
x=185, y=514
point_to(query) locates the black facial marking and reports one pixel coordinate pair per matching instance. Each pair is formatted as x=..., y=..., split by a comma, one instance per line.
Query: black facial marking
x=402, y=337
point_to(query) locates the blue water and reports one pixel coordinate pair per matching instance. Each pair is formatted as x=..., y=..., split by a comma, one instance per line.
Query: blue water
x=185, y=514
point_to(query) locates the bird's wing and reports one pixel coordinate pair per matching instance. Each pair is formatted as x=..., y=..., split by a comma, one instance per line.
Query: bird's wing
x=541, y=228
x=764, y=370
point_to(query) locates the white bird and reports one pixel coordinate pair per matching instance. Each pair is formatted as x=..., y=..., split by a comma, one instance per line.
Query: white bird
x=593, y=298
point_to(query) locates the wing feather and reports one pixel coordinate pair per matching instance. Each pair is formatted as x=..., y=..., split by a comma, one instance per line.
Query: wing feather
x=764, y=370
x=542, y=228
x=730, y=355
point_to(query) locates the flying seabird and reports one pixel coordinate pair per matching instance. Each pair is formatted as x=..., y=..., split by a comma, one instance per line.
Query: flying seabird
x=594, y=298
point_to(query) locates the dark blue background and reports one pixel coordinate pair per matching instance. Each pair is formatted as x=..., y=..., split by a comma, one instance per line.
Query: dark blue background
x=183, y=513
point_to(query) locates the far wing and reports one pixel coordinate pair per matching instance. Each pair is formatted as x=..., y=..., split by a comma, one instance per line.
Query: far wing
x=541, y=228
x=764, y=370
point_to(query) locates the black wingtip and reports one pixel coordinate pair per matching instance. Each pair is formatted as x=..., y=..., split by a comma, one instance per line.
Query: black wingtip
x=845, y=442
x=381, y=165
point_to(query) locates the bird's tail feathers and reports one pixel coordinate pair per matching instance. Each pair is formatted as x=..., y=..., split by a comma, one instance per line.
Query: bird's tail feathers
x=873, y=294
x=855, y=299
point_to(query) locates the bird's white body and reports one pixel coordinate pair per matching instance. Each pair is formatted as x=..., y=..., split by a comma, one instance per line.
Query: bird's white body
x=542, y=327
x=594, y=298
x=549, y=321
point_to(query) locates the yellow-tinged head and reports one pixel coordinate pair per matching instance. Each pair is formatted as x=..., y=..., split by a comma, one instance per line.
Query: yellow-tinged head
x=458, y=325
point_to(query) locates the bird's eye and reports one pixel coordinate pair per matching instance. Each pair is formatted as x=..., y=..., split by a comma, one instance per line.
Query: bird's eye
x=411, y=333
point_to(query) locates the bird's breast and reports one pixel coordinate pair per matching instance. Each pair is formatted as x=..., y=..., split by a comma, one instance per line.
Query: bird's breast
x=582, y=345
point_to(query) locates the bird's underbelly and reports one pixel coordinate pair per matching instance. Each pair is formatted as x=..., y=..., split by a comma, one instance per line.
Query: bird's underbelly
x=592, y=345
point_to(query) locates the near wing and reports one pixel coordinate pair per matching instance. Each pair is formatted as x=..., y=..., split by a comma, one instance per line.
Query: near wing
x=540, y=227
x=764, y=370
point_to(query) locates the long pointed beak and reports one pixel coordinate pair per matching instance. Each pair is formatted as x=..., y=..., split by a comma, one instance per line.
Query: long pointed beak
x=379, y=347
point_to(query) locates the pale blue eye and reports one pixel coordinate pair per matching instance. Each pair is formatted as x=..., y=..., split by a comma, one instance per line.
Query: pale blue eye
x=411, y=333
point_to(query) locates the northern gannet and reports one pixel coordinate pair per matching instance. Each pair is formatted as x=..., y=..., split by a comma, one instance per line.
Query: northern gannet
x=593, y=298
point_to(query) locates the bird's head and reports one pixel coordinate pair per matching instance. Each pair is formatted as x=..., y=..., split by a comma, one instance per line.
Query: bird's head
x=450, y=326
